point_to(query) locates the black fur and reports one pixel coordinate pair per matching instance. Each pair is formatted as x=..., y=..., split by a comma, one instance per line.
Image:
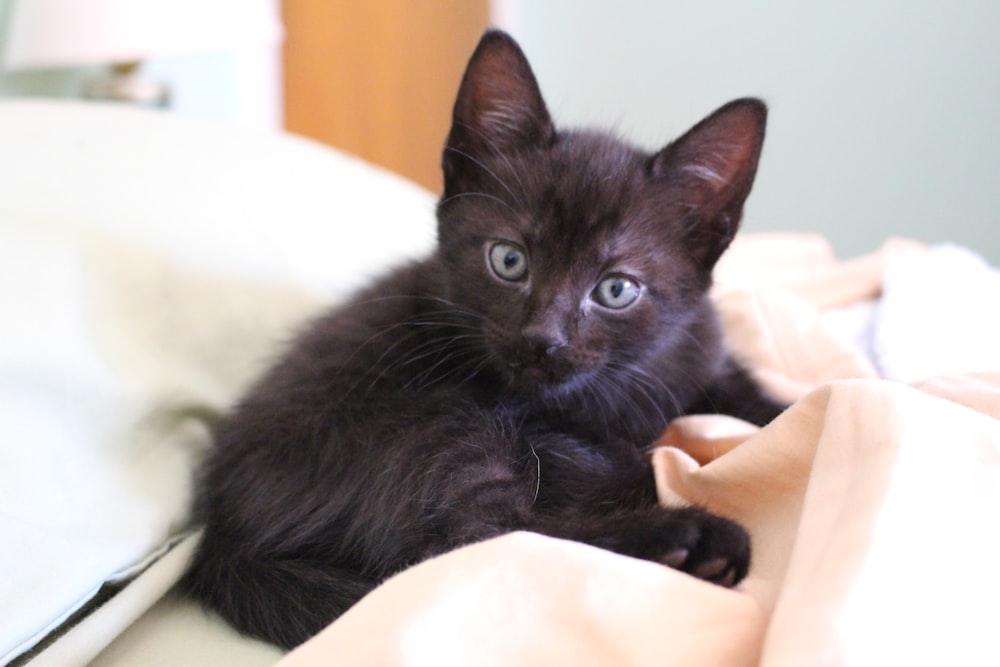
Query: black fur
x=447, y=404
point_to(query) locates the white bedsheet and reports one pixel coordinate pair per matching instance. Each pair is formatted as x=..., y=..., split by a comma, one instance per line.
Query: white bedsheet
x=939, y=314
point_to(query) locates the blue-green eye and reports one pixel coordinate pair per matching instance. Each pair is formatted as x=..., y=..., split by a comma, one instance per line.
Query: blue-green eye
x=616, y=292
x=508, y=261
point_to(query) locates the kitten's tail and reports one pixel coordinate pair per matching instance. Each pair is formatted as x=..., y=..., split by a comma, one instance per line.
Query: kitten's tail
x=283, y=600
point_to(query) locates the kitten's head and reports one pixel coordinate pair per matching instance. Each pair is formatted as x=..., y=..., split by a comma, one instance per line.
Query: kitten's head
x=581, y=254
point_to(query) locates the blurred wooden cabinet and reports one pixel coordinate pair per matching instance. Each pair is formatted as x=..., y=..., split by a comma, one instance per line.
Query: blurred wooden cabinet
x=378, y=78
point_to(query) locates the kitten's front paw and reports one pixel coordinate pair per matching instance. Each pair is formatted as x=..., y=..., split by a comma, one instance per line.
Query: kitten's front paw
x=708, y=547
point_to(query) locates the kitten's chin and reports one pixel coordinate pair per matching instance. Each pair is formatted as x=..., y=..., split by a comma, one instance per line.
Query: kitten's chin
x=528, y=381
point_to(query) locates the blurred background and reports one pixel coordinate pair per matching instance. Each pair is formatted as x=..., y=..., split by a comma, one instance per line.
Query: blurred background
x=884, y=113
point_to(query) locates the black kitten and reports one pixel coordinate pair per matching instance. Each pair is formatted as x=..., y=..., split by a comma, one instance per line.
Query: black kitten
x=512, y=381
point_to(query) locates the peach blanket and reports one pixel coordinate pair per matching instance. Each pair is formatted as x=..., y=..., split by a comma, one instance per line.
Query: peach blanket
x=873, y=507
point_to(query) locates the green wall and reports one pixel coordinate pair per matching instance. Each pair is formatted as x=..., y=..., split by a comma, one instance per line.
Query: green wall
x=38, y=83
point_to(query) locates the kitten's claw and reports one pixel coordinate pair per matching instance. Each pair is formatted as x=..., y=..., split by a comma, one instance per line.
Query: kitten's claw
x=711, y=569
x=675, y=558
x=728, y=580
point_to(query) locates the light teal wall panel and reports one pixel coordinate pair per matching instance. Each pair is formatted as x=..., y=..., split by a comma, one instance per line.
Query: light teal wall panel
x=885, y=114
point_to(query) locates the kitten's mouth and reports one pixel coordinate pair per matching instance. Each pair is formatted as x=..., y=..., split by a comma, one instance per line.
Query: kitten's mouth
x=528, y=370
x=533, y=375
x=528, y=378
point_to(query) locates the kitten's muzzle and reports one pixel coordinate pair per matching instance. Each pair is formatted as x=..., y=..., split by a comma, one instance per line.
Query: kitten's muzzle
x=543, y=341
x=538, y=358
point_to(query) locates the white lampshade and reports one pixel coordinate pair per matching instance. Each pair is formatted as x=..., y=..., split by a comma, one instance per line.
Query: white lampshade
x=67, y=33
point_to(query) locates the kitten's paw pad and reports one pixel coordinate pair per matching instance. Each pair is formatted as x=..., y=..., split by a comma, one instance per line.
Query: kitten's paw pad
x=709, y=547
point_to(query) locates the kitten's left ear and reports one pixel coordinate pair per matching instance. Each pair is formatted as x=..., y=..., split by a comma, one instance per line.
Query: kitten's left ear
x=713, y=166
x=499, y=107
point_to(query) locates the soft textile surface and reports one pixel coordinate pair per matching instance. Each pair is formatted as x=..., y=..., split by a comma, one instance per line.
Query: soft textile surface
x=150, y=263
x=873, y=507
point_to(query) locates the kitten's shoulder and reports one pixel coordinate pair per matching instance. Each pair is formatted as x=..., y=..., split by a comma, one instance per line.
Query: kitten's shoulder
x=397, y=296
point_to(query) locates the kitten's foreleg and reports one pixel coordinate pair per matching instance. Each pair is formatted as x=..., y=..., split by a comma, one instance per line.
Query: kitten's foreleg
x=604, y=495
x=687, y=539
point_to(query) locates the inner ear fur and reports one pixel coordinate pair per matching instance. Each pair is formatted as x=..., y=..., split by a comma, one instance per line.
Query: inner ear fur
x=712, y=168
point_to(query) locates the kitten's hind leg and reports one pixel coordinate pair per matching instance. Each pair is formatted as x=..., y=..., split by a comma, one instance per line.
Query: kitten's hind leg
x=283, y=600
x=737, y=394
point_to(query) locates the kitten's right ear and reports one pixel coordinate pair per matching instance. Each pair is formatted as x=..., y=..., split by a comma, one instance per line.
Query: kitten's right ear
x=499, y=105
x=712, y=168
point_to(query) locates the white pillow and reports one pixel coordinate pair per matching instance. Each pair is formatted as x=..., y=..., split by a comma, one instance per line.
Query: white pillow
x=150, y=263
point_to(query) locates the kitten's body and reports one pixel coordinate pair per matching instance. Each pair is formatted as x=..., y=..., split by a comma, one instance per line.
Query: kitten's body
x=459, y=398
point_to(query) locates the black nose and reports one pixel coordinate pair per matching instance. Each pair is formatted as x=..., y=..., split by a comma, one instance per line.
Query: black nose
x=543, y=341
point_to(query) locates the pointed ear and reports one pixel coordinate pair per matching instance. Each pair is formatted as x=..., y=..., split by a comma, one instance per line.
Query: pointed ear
x=713, y=168
x=499, y=105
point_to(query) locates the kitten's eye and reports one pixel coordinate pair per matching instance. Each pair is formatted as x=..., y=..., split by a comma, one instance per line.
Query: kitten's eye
x=616, y=292
x=508, y=261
